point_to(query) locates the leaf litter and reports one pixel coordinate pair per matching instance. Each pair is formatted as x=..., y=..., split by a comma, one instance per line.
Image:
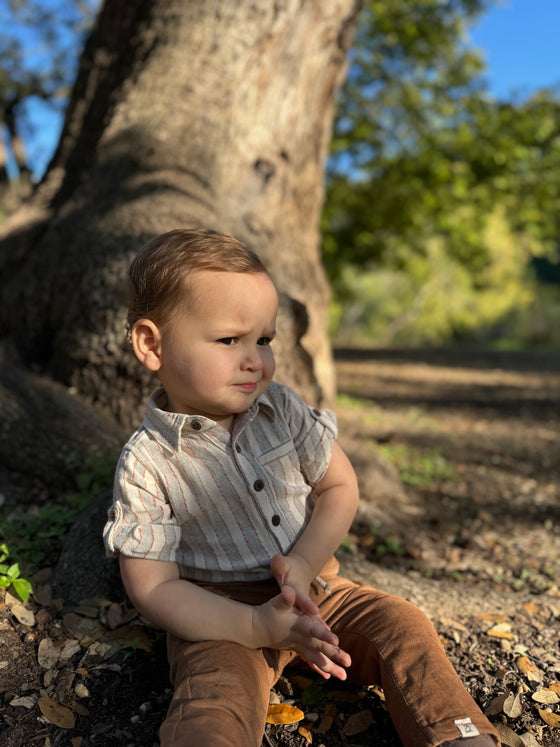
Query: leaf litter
x=97, y=674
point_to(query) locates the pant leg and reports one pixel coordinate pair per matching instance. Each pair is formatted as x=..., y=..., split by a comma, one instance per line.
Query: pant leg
x=393, y=644
x=221, y=692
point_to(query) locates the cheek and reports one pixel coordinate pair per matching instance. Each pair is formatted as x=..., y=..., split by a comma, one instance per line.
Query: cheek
x=269, y=364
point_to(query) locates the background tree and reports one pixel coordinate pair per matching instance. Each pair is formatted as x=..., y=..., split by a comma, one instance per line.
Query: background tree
x=443, y=194
x=215, y=114
x=39, y=47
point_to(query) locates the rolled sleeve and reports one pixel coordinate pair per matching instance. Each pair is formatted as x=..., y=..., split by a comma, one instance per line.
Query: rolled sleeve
x=314, y=432
x=140, y=521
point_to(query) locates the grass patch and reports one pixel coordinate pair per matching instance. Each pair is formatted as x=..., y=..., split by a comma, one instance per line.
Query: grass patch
x=33, y=536
x=417, y=469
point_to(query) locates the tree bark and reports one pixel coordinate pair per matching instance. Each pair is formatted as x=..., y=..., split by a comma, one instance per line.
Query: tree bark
x=213, y=113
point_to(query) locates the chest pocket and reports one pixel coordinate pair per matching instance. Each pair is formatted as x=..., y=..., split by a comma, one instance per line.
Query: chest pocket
x=282, y=463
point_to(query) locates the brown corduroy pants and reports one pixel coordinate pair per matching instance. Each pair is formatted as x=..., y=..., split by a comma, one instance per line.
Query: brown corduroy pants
x=221, y=689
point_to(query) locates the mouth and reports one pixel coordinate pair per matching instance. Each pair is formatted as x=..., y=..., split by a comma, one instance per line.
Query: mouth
x=249, y=386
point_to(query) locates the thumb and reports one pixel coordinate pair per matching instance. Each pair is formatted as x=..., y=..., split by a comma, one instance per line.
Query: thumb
x=287, y=596
x=279, y=568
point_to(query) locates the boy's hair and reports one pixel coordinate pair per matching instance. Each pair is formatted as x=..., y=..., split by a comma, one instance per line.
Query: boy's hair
x=158, y=272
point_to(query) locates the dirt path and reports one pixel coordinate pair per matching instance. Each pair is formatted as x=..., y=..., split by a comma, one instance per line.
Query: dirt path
x=457, y=456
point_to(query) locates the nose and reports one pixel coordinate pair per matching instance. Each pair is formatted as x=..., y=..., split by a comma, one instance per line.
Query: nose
x=252, y=360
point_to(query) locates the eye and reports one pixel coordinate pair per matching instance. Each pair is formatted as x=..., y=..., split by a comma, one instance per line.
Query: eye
x=227, y=340
x=264, y=341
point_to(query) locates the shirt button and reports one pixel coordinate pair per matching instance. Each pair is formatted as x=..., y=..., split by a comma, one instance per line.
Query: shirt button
x=113, y=515
x=196, y=425
x=275, y=520
x=258, y=485
x=316, y=412
x=238, y=448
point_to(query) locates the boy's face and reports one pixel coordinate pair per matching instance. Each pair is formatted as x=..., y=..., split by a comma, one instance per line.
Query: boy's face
x=214, y=355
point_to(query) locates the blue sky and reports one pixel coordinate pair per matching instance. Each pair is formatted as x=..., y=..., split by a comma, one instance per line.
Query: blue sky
x=521, y=44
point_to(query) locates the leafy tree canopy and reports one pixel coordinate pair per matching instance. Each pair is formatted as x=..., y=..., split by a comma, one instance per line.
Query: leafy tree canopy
x=433, y=185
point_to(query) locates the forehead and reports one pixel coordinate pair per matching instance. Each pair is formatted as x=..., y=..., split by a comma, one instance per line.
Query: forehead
x=221, y=293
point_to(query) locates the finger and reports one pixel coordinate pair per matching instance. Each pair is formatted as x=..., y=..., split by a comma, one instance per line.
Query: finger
x=305, y=605
x=287, y=596
x=279, y=568
x=326, y=667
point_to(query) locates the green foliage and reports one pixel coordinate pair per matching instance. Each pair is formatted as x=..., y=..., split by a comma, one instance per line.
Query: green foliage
x=10, y=575
x=438, y=197
x=35, y=535
x=419, y=469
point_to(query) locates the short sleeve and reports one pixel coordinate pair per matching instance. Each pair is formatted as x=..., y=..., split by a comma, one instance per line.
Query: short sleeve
x=140, y=521
x=314, y=434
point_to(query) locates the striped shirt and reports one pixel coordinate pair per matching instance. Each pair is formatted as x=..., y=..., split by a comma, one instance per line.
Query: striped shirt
x=220, y=505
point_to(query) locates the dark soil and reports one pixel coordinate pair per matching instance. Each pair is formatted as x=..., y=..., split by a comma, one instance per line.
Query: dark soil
x=470, y=532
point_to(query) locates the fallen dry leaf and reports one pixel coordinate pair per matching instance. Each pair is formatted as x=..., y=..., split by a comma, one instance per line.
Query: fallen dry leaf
x=509, y=738
x=47, y=654
x=305, y=732
x=281, y=713
x=493, y=618
x=531, y=608
x=130, y=636
x=513, y=706
x=552, y=719
x=524, y=665
x=358, y=723
x=501, y=630
x=554, y=686
x=25, y=701
x=548, y=697
x=56, y=713
x=328, y=718
x=496, y=705
x=20, y=611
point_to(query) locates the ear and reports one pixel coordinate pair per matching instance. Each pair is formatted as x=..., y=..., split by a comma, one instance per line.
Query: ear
x=146, y=341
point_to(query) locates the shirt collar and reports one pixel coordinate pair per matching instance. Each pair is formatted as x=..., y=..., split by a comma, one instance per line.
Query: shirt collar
x=172, y=427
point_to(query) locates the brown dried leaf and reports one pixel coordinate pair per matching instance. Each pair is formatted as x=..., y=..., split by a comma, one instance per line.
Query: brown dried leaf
x=493, y=618
x=283, y=714
x=508, y=736
x=328, y=718
x=525, y=665
x=546, y=696
x=555, y=687
x=301, y=682
x=48, y=654
x=513, y=706
x=358, y=723
x=531, y=608
x=305, y=731
x=20, y=611
x=552, y=719
x=499, y=633
x=56, y=713
x=130, y=636
x=496, y=705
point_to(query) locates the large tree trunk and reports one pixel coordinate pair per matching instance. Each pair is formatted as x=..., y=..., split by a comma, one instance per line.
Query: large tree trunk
x=213, y=113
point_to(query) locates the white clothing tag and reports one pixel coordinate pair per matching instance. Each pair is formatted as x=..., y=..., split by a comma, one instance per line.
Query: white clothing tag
x=466, y=727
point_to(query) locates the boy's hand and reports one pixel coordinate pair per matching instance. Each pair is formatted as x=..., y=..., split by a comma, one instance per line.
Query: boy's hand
x=279, y=624
x=293, y=571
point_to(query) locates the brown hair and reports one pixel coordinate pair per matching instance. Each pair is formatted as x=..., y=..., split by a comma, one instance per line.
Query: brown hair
x=158, y=272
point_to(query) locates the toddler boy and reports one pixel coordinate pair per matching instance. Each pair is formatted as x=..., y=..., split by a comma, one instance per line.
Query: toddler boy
x=229, y=503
